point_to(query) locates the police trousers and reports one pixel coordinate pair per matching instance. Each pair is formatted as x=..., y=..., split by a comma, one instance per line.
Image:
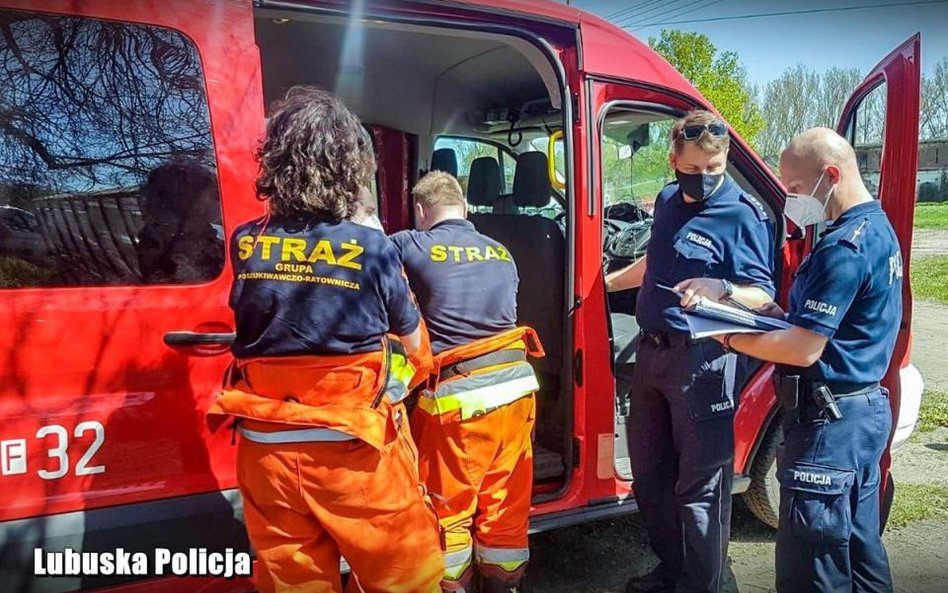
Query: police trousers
x=829, y=535
x=307, y=504
x=681, y=444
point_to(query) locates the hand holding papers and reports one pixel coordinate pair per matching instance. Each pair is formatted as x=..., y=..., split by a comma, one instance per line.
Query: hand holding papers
x=708, y=318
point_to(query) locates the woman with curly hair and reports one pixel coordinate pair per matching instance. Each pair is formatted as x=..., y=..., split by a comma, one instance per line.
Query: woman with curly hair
x=326, y=466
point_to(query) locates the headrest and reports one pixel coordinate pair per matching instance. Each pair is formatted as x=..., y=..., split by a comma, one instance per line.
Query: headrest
x=483, y=183
x=531, y=187
x=444, y=159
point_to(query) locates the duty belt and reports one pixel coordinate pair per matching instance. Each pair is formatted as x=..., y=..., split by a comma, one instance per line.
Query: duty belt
x=793, y=391
x=664, y=340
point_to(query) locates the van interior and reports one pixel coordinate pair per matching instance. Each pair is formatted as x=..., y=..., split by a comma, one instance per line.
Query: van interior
x=483, y=106
x=478, y=105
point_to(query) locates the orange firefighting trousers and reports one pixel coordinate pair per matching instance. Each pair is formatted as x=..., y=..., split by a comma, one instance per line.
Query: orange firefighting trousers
x=308, y=503
x=481, y=473
x=479, y=469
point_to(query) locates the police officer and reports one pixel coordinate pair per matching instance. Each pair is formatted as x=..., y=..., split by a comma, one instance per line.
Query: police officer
x=325, y=465
x=845, y=307
x=473, y=422
x=684, y=394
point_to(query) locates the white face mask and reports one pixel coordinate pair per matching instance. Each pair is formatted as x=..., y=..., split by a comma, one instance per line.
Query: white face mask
x=807, y=209
x=372, y=221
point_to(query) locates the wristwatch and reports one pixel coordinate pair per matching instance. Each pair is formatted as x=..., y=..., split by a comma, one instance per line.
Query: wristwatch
x=728, y=288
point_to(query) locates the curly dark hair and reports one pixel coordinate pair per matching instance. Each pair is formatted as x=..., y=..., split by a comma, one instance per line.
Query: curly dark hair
x=315, y=158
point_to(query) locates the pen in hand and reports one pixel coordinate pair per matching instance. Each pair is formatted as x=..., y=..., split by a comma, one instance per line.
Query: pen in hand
x=677, y=293
x=737, y=304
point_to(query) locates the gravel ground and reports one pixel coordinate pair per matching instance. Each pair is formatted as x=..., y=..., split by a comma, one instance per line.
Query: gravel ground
x=600, y=557
x=927, y=242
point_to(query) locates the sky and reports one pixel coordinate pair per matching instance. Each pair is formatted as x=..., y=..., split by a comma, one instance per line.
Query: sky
x=767, y=46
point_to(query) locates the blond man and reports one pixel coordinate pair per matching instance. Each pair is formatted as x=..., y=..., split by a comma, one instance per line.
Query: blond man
x=473, y=422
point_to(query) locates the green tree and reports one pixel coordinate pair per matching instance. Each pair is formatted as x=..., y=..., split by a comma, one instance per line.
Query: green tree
x=719, y=76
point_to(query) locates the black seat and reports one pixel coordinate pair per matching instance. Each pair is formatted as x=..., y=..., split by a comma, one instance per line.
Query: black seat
x=444, y=159
x=483, y=182
x=539, y=249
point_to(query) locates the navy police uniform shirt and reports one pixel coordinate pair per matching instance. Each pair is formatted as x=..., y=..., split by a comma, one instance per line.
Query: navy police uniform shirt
x=316, y=287
x=465, y=282
x=849, y=289
x=728, y=236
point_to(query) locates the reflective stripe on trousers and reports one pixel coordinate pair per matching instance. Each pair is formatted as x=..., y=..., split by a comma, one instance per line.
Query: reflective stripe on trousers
x=510, y=559
x=455, y=563
x=479, y=394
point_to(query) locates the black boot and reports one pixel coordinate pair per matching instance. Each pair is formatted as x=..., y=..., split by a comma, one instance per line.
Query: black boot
x=464, y=583
x=655, y=581
x=494, y=579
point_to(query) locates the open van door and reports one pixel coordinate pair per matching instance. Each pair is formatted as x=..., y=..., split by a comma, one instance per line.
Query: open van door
x=880, y=120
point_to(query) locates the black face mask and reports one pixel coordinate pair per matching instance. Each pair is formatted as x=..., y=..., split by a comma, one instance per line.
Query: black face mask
x=698, y=186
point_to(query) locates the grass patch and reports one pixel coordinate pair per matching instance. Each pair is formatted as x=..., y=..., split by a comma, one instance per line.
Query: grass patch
x=934, y=411
x=19, y=273
x=930, y=278
x=917, y=502
x=931, y=216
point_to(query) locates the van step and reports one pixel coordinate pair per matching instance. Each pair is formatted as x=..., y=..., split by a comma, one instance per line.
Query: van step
x=547, y=465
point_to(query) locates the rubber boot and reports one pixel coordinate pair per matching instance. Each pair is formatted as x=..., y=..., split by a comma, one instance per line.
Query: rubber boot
x=494, y=579
x=463, y=584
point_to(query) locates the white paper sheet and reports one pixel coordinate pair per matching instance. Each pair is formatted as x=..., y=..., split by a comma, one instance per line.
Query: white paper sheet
x=702, y=327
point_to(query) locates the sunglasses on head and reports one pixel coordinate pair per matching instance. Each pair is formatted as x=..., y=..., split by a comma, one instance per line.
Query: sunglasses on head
x=694, y=131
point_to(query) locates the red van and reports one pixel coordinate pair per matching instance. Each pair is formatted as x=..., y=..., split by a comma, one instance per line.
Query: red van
x=126, y=138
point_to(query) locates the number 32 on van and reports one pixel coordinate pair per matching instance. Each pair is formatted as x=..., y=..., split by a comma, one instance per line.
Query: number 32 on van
x=13, y=452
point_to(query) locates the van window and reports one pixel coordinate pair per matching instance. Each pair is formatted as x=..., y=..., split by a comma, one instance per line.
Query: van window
x=107, y=168
x=867, y=136
x=634, y=158
x=468, y=149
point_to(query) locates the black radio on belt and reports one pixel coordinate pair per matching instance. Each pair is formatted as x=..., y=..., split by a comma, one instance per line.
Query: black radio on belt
x=792, y=388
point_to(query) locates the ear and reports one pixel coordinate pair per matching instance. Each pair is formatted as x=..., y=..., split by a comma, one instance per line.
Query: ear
x=672, y=160
x=419, y=215
x=833, y=174
x=464, y=209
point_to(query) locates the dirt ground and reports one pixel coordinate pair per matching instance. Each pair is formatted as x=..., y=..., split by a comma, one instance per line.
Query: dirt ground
x=600, y=557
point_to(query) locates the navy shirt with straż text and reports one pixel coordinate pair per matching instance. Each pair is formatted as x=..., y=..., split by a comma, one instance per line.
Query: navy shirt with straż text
x=849, y=289
x=465, y=282
x=315, y=287
x=729, y=236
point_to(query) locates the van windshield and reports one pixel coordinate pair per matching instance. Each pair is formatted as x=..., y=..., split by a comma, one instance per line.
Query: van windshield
x=634, y=158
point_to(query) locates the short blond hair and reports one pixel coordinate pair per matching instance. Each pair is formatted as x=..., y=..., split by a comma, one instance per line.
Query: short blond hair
x=438, y=189
x=706, y=142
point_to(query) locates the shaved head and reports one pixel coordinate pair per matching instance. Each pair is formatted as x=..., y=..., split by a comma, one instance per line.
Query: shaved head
x=818, y=148
x=820, y=161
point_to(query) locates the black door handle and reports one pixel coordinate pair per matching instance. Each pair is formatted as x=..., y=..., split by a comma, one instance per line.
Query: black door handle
x=199, y=338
